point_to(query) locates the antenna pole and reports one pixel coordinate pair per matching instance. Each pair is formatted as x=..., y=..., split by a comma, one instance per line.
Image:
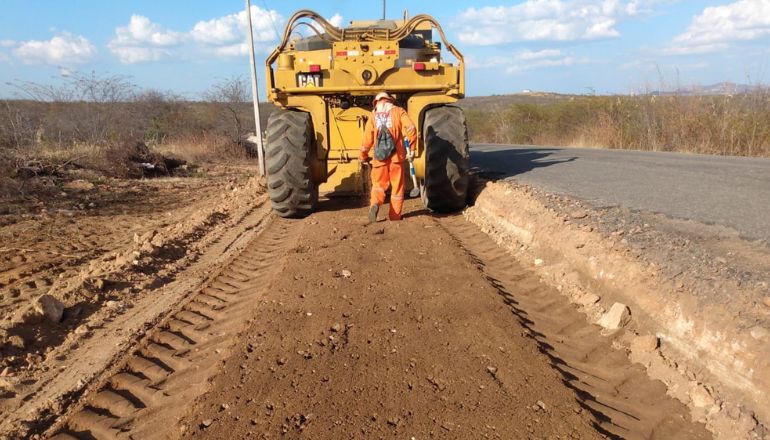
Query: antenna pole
x=254, y=93
x=383, y=9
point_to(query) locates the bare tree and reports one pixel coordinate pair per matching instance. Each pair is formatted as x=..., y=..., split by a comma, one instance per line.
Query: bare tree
x=233, y=95
x=91, y=108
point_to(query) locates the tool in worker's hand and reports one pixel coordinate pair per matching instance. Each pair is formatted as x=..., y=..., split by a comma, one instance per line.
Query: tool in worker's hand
x=415, y=192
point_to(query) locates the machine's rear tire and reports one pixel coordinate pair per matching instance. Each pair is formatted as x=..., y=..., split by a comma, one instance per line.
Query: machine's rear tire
x=445, y=136
x=287, y=159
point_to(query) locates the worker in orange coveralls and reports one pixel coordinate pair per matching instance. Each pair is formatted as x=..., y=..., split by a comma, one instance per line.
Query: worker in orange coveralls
x=389, y=153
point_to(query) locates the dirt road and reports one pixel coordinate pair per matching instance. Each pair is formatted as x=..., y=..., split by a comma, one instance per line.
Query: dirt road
x=328, y=328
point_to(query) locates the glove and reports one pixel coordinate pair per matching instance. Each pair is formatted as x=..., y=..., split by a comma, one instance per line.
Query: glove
x=364, y=156
x=410, y=155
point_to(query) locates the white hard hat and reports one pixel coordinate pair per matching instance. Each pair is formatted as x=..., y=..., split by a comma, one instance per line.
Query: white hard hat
x=383, y=95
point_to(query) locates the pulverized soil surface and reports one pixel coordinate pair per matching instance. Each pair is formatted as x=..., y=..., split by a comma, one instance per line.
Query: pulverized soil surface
x=87, y=265
x=224, y=321
x=421, y=329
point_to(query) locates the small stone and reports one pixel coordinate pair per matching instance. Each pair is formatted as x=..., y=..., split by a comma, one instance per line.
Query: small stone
x=701, y=398
x=579, y=214
x=346, y=273
x=492, y=370
x=336, y=327
x=760, y=334
x=147, y=248
x=588, y=299
x=766, y=301
x=8, y=383
x=617, y=317
x=6, y=371
x=50, y=307
x=99, y=283
x=281, y=361
x=541, y=404
x=17, y=341
x=82, y=330
x=538, y=262
x=206, y=423
x=644, y=344
x=224, y=406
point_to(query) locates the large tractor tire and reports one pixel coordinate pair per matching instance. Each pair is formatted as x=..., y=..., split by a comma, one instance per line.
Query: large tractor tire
x=445, y=137
x=287, y=159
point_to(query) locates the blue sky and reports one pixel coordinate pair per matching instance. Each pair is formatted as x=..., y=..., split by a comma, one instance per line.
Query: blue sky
x=570, y=46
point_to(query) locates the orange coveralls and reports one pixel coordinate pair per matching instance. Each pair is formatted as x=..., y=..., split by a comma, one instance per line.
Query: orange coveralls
x=390, y=171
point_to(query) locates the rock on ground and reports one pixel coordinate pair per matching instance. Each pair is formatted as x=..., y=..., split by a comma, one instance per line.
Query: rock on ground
x=617, y=317
x=49, y=307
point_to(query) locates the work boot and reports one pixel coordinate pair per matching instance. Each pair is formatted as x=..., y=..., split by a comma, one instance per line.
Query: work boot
x=373, y=210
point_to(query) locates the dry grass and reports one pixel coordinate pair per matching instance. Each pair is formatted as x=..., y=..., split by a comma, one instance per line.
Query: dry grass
x=203, y=148
x=725, y=125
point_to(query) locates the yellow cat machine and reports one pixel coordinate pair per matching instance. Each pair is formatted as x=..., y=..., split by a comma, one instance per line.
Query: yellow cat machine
x=324, y=85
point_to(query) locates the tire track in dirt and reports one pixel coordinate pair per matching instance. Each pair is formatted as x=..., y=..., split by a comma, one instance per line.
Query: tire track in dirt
x=174, y=363
x=623, y=400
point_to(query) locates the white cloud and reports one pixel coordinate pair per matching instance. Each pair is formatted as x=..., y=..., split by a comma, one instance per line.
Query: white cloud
x=4, y=58
x=336, y=20
x=718, y=26
x=141, y=30
x=525, y=60
x=142, y=40
x=64, y=49
x=233, y=50
x=223, y=37
x=550, y=20
x=232, y=28
x=7, y=43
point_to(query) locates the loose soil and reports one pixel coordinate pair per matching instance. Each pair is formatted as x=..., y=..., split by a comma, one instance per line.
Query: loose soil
x=238, y=324
x=423, y=329
x=117, y=255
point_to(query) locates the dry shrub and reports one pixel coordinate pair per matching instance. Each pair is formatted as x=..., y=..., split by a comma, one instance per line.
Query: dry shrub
x=206, y=147
x=724, y=125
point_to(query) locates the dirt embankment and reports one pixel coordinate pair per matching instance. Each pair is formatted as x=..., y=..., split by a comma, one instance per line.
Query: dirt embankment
x=696, y=294
x=84, y=269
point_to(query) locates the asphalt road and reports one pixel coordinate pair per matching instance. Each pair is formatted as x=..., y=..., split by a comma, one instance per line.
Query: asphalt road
x=728, y=191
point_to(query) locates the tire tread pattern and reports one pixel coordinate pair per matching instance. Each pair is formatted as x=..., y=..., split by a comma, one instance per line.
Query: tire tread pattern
x=447, y=159
x=287, y=158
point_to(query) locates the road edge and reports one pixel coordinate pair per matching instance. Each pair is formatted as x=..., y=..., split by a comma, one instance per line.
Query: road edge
x=716, y=368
